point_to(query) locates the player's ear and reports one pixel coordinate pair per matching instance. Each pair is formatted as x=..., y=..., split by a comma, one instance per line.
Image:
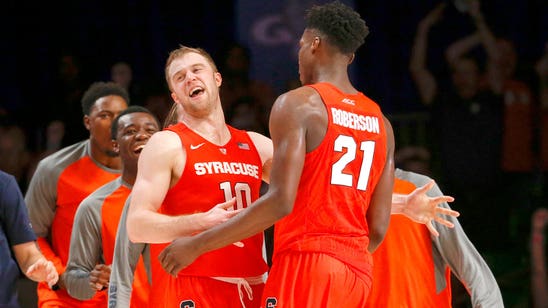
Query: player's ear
x=316, y=42
x=115, y=146
x=86, y=121
x=218, y=79
x=352, y=56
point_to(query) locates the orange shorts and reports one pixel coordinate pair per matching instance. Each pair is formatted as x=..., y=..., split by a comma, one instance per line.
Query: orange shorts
x=202, y=292
x=309, y=279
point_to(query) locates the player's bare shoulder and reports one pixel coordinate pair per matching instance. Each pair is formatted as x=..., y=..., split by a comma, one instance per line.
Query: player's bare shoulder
x=301, y=101
x=163, y=145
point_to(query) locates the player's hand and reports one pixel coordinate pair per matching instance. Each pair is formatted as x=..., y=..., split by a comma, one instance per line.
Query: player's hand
x=424, y=209
x=219, y=214
x=99, y=277
x=43, y=270
x=178, y=255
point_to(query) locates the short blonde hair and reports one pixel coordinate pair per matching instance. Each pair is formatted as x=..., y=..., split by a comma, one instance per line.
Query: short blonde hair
x=183, y=50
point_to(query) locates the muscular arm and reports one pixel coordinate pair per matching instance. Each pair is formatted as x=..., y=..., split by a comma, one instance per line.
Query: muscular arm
x=265, y=149
x=416, y=206
x=378, y=214
x=155, y=176
x=288, y=133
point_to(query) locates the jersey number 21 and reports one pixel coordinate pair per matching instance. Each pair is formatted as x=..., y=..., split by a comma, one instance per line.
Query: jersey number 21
x=338, y=177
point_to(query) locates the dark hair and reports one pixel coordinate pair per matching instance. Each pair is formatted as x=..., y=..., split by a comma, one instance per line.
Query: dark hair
x=343, y=26
x=130, y=109
x=101, y=89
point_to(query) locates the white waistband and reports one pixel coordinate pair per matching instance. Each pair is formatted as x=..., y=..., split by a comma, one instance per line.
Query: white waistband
x=243, y=282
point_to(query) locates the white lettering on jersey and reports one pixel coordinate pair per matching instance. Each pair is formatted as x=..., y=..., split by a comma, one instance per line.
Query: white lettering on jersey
x=355, y=121
x=217, y=167
x=348, y=101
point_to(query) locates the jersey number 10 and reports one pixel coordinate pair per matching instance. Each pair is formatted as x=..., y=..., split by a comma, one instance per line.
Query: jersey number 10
x=243, y=193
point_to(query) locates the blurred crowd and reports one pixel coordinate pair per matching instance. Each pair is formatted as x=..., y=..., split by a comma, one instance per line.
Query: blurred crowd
x=485, y=116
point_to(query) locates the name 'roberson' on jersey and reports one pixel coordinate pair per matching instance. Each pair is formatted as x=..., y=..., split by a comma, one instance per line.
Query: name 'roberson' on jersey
x=340, y=117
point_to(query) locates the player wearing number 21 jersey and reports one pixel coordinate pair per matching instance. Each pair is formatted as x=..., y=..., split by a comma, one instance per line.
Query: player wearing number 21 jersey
x=330, y=189
x=334, y=192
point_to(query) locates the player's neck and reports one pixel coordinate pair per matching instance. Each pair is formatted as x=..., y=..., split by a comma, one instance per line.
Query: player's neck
x=213, y=129
x=337, y=77
x=111, y=162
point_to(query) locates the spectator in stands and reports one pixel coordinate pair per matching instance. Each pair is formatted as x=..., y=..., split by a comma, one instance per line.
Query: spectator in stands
x=464, y=117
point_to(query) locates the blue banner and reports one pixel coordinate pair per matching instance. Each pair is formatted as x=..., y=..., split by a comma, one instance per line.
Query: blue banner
x=272, y=30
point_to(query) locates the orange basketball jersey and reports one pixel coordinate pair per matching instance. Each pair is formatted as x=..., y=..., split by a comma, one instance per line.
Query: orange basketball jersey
x=214, y=174
x=337, y=182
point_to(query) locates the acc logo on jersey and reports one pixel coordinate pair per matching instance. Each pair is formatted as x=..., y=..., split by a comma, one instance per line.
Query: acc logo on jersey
x=348, y=101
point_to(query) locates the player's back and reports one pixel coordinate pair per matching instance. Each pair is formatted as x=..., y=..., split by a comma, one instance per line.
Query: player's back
x=337, y=182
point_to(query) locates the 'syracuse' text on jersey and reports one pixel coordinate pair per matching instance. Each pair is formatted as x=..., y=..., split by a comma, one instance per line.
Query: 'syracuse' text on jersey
x=215, y=174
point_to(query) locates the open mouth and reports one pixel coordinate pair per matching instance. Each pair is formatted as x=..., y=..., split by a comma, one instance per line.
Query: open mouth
x=138, y=149
x=196, y=91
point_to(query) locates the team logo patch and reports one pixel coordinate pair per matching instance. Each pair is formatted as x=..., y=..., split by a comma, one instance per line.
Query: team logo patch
x=348, y=101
